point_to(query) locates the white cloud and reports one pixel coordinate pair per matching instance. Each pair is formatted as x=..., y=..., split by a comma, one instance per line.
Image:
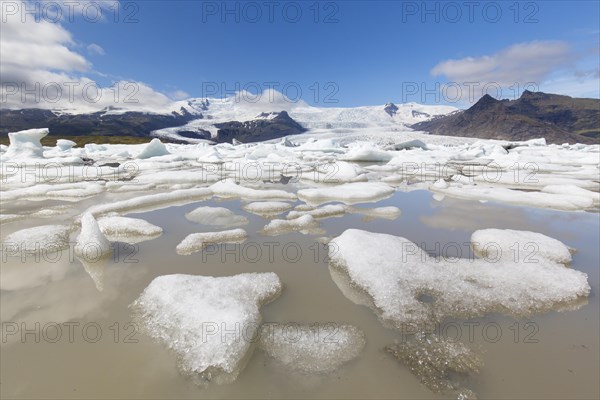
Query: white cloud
x=521, y=63
x=40, y=68
x=95, y=50
x=179, y=95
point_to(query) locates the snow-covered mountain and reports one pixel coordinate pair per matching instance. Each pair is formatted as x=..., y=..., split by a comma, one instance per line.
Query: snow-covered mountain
x=218, y=111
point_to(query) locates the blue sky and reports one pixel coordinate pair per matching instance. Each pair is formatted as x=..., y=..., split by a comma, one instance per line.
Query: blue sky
x=350, y=53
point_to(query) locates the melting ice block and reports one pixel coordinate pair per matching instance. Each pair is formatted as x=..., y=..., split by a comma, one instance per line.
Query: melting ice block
x=128, y=230
x=196, y=315
x=508, y=244
x=394, y=277
x=91, y=243
x=305, y=224
x=64, y=144
x=197, y=241
x=348, y=193
x=317, y=348
x=155, y=148
x=46, y=238
x=229, y=189
x=216, y=216
x=267, y=208
x=25, y=144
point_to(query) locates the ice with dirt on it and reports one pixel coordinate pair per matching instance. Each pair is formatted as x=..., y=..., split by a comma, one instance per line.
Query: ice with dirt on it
x=25, y=144
x=128, y=230
x=216, y=216
x=509, y=244
x=155, y=148
x=348, y=193
x=229, y=189
x=91, y=243
x=441, y=364
x=195, y=316
x=396, y=278
x=197, y=241
x=316, y=348
x=305, y=224
x=45, y=238
x=267, y=208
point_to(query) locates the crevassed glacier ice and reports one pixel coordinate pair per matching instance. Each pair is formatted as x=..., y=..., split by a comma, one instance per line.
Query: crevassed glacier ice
x=195, y=315
x=391, y=275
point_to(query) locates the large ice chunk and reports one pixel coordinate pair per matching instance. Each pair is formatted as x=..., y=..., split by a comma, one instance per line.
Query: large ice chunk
x=197, y=241
x=195, y=315
x=25, y=144
x=394, y=277
x=316, y=348
x=155, y=148
x=91, y=242
x=46, y=238
x=216, y=216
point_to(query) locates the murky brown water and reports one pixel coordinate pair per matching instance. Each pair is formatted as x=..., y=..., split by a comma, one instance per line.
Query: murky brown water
x=557, y=356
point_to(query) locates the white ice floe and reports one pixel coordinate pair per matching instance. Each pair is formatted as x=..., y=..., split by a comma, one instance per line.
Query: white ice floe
x=64, y=144
x=327, y=211
x=567, y=202
x=152, y=201
x=348, y=193
x=305, y=224
x=395, y=278
x=389, y=212
x=509, y=244
x=573, y=190
x=229, y=189
x=128, y=230
x=91, y=242
x=25, y=144
x=195, y=315
x=316, y=348
x=216, y=216
x=153, y=149
x=267, y=208
x=197, y=241
x=40, y=239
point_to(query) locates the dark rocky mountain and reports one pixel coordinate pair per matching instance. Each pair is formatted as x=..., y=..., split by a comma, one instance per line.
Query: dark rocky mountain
x=132, y=124
x=556, y=118
x=391, y=109
x=265, y=127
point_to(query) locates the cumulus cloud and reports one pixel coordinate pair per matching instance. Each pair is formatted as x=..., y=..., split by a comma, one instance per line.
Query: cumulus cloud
x=179, y=95
x=41, y=68
x=521, y=63
x=95, y=50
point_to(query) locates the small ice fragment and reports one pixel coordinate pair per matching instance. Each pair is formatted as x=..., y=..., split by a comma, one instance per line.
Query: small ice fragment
x=197, y=241
x=303, y=224
x=348, y=193
x=327, y=211
x=229, y=189
x=216, y=216
x=267, y=208
x=64, y=144
x=91, y=243
x=128, y=230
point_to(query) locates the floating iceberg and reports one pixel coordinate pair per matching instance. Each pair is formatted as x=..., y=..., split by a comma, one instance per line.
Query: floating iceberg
x=128, y=230
x=216, y=216
x=197, y=241
x=394, y=277
x=229, y=189
x=91, y=243
x=25, y=144
x=305, y=224
x=196, y=315
x=155, y=148
x=267, y=208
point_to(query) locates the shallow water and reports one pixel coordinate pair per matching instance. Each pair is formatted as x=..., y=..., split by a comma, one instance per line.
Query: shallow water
x=554, y=355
